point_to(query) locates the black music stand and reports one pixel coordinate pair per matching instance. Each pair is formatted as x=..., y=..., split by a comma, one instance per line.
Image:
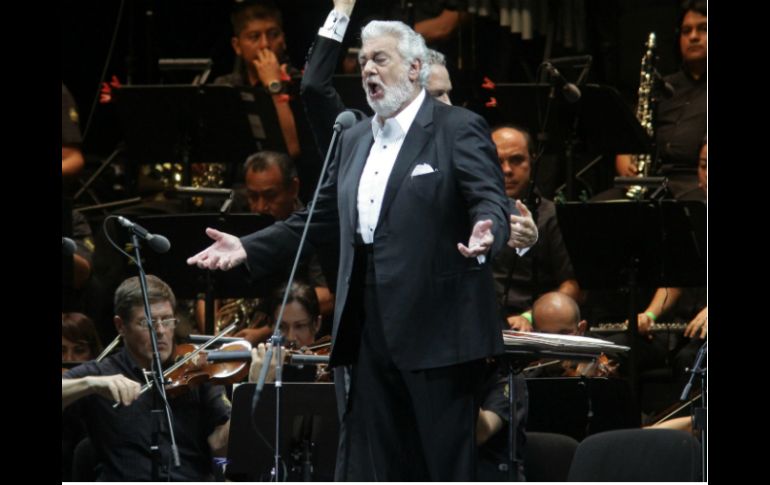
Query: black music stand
x=601, y=119
x=632, y=244
x=187, y=234
x=308, y=442
x=523, y=348
x=586, y=405
x=197, y=124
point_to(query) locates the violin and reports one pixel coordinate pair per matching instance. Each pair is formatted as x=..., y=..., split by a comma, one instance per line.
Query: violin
x=191, y=353
x=602, y=366
x=321, y=347
x=316, y=353
x=227, y=365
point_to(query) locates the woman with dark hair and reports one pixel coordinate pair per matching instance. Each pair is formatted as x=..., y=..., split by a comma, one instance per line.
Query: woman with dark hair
x=299, y=325
x=79, y=340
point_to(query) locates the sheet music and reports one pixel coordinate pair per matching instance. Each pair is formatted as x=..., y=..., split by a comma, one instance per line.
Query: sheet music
x=513, y=339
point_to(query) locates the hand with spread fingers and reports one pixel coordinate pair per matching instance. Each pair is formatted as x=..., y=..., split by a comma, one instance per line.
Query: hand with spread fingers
x=227, y=252
x=523, y=229
x=480, y=241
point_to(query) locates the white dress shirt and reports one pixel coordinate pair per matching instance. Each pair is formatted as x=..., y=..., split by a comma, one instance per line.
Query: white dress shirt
x=388, y=138
x=335, y=26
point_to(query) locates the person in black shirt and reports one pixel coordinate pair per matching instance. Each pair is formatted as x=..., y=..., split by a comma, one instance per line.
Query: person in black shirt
x=521, y=275
x=121, y=438
x=680, y=121
x=259, y=42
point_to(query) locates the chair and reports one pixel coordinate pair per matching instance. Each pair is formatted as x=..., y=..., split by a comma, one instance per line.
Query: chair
x=84, y=462
x=638, y=455
x=548, y=456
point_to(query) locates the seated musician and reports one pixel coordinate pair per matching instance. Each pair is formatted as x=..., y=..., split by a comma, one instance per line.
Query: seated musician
x=300, y=323
x=272, y=188
x=79, y=343
x=121, y=438
x=521, y=276
x=259, y=42
x=557, y=313
x=79, y=339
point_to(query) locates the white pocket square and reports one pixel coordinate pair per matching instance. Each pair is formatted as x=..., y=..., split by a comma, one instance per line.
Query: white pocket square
x=422, y=169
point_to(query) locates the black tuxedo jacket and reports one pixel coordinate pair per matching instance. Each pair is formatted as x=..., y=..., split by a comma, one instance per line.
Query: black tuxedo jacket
x=436, y=306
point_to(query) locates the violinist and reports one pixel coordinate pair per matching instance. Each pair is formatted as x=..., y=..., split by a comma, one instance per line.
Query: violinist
x=299, y=326
x=79, y=339
x=557, y=313
x=121, y=437
x=79, y=343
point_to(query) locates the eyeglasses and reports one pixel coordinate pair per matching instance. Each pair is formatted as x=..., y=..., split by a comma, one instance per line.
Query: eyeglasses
x=166, y=323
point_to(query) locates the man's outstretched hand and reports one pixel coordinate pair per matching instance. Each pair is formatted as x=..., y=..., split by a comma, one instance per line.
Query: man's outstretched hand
x=480, y=241
x=226, y=252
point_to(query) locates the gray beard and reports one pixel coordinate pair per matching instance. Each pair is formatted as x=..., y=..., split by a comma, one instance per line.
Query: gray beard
x=394, y=98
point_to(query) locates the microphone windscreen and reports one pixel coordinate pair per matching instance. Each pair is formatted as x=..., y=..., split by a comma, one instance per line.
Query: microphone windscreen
x=68, y=245
x=159, y=243
x=345, y=120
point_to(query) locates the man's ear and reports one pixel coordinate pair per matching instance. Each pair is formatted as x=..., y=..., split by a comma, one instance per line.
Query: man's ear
x=582, y=324
x=236, y=45
x=294, y=186
x=120, y=325
x=414, y=70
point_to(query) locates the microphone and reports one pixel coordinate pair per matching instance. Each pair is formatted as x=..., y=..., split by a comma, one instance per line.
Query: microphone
x=67, y=245
x=344, y=120
x=570, y=91
x=157, y=242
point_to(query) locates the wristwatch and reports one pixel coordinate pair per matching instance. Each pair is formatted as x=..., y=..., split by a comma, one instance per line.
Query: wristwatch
x=275, y=87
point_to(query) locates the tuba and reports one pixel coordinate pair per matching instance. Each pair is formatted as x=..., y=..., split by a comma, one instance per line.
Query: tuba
x=243, y=312
x=645, y=110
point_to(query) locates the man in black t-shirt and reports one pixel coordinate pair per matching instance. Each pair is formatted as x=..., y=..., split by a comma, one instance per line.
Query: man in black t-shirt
x=122, y=438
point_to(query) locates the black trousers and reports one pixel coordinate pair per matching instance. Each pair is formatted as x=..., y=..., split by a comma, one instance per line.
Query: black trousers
x=403, y=425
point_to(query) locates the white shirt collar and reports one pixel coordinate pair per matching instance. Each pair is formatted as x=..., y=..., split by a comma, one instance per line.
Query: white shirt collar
x=404, y=119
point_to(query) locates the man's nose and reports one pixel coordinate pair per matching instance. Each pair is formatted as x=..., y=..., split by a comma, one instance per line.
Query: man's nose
x=369, y=68
x=259, y=205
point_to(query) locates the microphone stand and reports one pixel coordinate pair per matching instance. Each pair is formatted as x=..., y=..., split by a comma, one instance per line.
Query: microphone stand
x=699, y=412
x=159, y=400
x=277, y=338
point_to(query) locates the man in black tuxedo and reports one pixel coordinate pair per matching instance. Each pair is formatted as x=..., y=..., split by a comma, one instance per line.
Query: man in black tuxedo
x=415, y=313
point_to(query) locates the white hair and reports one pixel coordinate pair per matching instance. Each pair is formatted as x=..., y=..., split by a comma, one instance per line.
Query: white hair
x=411, y=45
x=435, y=57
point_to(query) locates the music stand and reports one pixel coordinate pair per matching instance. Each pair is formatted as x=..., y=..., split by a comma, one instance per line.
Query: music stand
x=187, y=235
x=524, y=347
x=586, y=405
x=600, y=118
x=608, y=250
x=197, y=124
x=309, y=410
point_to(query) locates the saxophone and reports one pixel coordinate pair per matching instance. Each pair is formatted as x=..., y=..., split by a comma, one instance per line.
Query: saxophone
x=645, y=110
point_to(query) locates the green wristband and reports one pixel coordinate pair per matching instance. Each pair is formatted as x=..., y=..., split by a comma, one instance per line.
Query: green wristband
x=528, y=316
x=651, y=315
